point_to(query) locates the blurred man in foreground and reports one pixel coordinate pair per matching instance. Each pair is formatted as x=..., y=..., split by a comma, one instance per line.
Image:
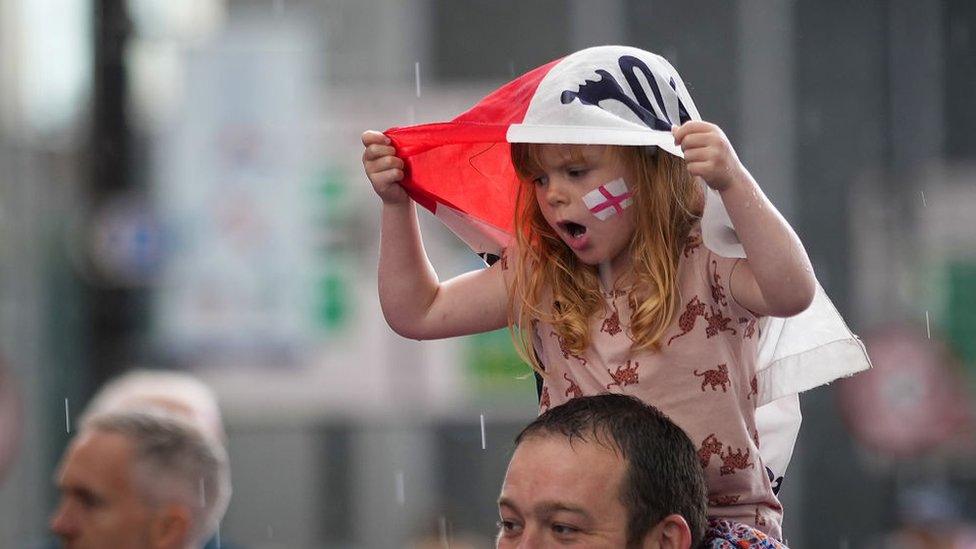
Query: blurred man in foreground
x=142, y=481
x=599, y=472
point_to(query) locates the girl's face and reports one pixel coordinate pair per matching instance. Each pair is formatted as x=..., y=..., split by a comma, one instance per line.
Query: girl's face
x=567, y=174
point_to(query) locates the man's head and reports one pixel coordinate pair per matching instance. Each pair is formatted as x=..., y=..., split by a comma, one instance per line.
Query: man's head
x=603, y=471
x=140, y=480
x=173, y=392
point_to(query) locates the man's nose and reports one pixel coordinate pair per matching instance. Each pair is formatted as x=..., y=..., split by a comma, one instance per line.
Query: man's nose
x=62, y=522
x=532, y=538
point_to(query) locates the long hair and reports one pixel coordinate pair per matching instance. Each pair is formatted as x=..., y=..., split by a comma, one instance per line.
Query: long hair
x=552, y=285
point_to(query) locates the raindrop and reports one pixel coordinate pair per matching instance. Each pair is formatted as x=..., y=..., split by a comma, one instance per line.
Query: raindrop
x=443, y=530
x=416, y=74
x=482, y=431
x=400, y=492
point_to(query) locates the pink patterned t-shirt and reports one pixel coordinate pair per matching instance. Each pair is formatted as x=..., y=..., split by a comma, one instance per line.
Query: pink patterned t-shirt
x=703, y=377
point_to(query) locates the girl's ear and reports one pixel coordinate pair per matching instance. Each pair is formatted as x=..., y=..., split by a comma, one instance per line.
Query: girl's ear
x=672, y=532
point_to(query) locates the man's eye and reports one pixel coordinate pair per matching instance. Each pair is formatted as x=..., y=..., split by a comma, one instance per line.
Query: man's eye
x=564, y=529
x=508, y=527
x=87, y=500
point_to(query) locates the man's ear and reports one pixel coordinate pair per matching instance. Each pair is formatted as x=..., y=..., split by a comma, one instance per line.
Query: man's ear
x=672, y=532
x=170, y=527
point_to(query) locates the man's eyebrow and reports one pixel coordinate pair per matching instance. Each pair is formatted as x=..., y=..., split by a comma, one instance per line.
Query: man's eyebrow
x=84, y=493
x=505, y=502
x=550, y=507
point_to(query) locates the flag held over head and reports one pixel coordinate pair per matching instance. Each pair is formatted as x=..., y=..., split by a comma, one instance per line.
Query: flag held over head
x=462, y=172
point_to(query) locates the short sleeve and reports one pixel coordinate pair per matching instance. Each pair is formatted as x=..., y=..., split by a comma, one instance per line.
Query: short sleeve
x=718, y=272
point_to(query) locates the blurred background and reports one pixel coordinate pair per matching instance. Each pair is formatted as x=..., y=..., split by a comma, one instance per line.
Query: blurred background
x=181, y=188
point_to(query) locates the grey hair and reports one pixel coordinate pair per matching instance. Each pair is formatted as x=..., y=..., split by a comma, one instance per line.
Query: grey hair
x=142, y=389
x=174, y=463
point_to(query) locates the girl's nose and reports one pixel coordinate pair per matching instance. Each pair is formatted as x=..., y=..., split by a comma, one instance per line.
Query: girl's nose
x=556, y=194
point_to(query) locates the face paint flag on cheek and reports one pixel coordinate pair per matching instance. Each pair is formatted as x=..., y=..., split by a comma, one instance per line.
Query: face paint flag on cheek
x=607, y=200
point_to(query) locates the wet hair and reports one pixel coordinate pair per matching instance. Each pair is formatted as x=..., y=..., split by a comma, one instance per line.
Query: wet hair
x=663, y=475
x=667, y=201
x=174, y=463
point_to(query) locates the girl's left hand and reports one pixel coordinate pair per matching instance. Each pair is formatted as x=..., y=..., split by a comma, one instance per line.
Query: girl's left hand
x=708, y=154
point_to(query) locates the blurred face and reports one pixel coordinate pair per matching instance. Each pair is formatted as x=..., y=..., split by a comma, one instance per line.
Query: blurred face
x=557, y=495
x=99, y=505
x=568, y=174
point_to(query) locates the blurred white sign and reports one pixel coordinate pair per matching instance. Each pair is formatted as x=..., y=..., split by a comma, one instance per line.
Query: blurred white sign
x=231, y=183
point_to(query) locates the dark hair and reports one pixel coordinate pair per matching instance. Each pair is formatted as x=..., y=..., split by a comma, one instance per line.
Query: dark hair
x=663, y=475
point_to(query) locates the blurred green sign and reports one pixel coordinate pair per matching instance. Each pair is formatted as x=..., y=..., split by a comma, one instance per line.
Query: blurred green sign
x=491, y=361
x=961, y=310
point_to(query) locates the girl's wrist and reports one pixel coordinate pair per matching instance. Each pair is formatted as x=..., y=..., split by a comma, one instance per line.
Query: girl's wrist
x=737, y=180
x=397, y=203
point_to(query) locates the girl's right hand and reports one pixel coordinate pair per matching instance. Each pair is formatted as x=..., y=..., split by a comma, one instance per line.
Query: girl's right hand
x=383, y=167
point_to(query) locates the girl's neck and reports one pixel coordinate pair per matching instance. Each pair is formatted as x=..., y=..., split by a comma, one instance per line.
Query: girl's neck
x=612, y=277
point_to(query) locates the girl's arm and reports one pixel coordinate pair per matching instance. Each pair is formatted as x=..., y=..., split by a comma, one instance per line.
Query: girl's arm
x=777, y=279
x=415, y=304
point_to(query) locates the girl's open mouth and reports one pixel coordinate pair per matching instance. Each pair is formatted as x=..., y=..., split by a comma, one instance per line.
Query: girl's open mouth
x=574, y=229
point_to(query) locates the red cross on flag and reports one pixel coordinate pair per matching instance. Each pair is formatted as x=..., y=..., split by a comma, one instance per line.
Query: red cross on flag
x=609, y=199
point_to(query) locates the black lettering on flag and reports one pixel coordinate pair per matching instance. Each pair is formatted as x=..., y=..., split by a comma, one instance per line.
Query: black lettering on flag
x=592, y=92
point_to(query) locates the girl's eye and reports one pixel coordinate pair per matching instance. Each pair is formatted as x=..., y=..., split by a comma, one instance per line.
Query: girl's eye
x=576, y=172
x=540, y=181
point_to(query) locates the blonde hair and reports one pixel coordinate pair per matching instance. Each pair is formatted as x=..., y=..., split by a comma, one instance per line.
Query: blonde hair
x=666, y=202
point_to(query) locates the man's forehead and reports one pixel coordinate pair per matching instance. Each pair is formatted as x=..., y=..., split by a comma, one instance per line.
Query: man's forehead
x=544, y=456
x=98, y=459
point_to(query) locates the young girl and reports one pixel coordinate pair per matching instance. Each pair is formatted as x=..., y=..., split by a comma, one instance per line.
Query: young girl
x=606, y=282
